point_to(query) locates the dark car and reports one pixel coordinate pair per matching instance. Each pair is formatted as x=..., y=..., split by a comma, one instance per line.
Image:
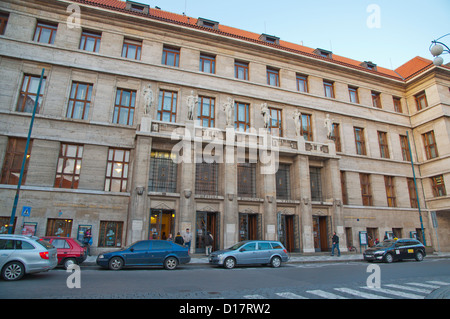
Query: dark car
x=393, y=250
x=146, y=253
x=251, y=252
x=70, y=250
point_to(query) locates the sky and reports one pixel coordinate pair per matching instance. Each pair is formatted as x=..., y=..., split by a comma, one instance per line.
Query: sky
x=387, y=32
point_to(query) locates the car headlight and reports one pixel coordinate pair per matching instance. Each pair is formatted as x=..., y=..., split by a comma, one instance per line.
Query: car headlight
x=101, y=256
x=378, y=252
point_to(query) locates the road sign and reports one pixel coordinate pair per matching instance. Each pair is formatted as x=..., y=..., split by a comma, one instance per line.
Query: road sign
x=26, y=211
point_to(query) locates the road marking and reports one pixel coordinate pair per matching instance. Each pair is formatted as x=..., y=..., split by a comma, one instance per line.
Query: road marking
x=442, y=283
x=324, y=294
x=395, y=293
x=424, y=291
x=423, y=285
x=254, y=297
x=290, y=295
x=360, y=293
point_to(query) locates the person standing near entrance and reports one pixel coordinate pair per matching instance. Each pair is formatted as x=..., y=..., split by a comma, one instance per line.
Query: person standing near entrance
x=335, y=241
x=208, y=243
x=187, y=239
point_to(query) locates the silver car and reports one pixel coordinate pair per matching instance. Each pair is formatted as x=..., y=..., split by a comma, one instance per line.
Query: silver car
x=20, y=255
x=251, y=252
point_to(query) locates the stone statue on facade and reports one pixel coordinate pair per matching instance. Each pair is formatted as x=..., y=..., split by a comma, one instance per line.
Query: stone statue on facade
x=148, y=99
x=328, y=123
x=192, y=101
x=228, y=107
x=297, y=116
x=266, y=114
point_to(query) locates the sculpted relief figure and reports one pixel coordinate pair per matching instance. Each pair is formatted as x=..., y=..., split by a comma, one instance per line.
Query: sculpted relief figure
x=228, y=107
x=191, y=102
x=148, y=99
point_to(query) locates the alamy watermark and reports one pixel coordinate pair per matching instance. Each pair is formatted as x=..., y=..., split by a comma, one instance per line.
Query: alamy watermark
x=374, y=19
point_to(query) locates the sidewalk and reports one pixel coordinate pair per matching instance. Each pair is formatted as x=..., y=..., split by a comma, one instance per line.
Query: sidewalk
x=294, y=258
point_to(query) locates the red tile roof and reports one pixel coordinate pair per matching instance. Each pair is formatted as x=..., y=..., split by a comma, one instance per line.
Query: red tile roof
x=408, y=69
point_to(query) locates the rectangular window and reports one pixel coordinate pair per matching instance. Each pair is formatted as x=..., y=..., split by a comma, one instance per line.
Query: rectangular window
x=344, y=188
x=353, y=94
x=283, y=183
x=241, y=70
x=117, y=170
x=397, y=104
x=167, y=106
x=306, y=129
x=389, y=184
x=206, y=178
x=405, y=148
x=12, y=163
x=3, y=22
x=382, y=141
x=412, y=193
x=315, y=177
x=276, y=126
x=328, y=89
x=59, y=227
x=171, y=57
x=28, y=94
x=124, y=107
x=438, y=186
x=242, y=117
x=376, y=99
x=302, y=83
x=69, y=166
x=421, y=101
x=246, y=179
x=430, y=145
x=79, y=101
x=205, y=112
x=110, y=234
x=336, y=137
x=273, y=77
x=207, y=63
x=45, y=33
x=90, y=41
x=163, y=173
x=360, y=141
x=132, y=49
x=366, y=189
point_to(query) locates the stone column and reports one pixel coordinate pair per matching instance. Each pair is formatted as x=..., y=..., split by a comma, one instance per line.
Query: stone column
x=231, y=206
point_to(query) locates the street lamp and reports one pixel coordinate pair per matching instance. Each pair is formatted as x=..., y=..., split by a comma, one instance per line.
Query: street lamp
x=437, y=48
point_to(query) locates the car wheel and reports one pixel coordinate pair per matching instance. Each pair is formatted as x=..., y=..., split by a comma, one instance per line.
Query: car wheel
x=170, y=263
x=275, y=262
x=419, y=256
x=13, y=271
x=229, y=263
x=388, y=258
x=69, y=262
x=116, y=263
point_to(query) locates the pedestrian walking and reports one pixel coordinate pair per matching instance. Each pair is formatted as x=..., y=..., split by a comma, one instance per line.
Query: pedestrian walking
x=335, y=241
x=209, y=239
x=187, y=239
x=179, y=239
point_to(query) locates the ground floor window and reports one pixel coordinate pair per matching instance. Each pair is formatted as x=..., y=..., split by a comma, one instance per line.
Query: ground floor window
x=110, y=234
x=162, y=224
x=59, y=227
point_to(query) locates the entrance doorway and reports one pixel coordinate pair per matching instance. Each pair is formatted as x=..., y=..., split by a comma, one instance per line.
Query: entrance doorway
x=286, y=233
x=162, y=224
x=249, y=226
x=206, y=222
x=320, y=230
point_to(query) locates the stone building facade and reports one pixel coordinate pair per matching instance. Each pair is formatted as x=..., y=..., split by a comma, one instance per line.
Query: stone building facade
x=150, y=123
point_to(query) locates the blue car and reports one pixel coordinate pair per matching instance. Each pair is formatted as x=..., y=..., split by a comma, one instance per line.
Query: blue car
x=146, y=253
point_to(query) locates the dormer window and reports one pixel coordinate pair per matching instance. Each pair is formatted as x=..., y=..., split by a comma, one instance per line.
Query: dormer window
x=323, y=53
x=137, y=7
x=369, y=65
x=208, y=23
x=269, y=39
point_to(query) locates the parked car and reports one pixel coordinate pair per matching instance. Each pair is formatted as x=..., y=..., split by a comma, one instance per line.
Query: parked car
x=20, y=255
x=393, y=250
x=146, y=253
x=251, y=252
x=70, y=250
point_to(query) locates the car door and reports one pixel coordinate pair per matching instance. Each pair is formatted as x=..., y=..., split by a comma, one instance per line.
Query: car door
x=6, y=249
x=138, y=254
x=159, y=250
x=247, y=254
x=63, y=248
x=399, y=250
x=264, y=252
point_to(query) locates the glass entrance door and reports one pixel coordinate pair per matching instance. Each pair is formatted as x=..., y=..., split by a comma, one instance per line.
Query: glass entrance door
x=206, y=222
x=162, y=224
x=286, y=233
x=249, y=227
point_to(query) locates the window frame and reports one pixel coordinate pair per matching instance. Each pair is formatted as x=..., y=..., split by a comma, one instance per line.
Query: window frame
x=14, y=155
x=116, y=164
x=360, y=143
x=126, y=46
x=421, y=100
x=166, y=56
x=430, y=147
x=376, y=99
x=353, y=94
x=404, y=145
x=120, y=108
x=302, y=83
x=389, y=184
x=74, y=100
x=40, y=26
x=162, y=110
x=273, y=74
x=438, y=188
x=366, y=189
x=239, y=65
x=328, y=88
x=200, y=108
x=207, y=59
x=25, y=95
x=383, y=144
x=63, y=159
x=238, y=124
x=85, y=35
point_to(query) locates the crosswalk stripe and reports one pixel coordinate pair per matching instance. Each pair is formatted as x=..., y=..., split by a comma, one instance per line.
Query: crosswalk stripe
x=290, y=295
x=442, y=283
x=424, y=291
x=360, y=293
x=254, y=297
x=325, y=294
x=395, y=293
x=423, y=285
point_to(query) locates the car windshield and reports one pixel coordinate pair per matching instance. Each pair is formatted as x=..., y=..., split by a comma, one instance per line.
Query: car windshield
x=385, y=244
x=237, y=246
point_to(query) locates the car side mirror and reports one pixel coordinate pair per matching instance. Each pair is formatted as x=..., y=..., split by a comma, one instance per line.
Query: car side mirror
x=242, y=250
x=131, y=249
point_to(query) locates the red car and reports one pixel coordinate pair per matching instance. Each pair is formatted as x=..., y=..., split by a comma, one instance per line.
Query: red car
x=69, y=251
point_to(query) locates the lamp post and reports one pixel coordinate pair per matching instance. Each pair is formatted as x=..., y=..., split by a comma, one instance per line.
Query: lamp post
x=437, y=48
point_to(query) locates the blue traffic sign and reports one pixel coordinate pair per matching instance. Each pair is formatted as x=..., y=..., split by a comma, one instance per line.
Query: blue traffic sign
x=26, y=211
